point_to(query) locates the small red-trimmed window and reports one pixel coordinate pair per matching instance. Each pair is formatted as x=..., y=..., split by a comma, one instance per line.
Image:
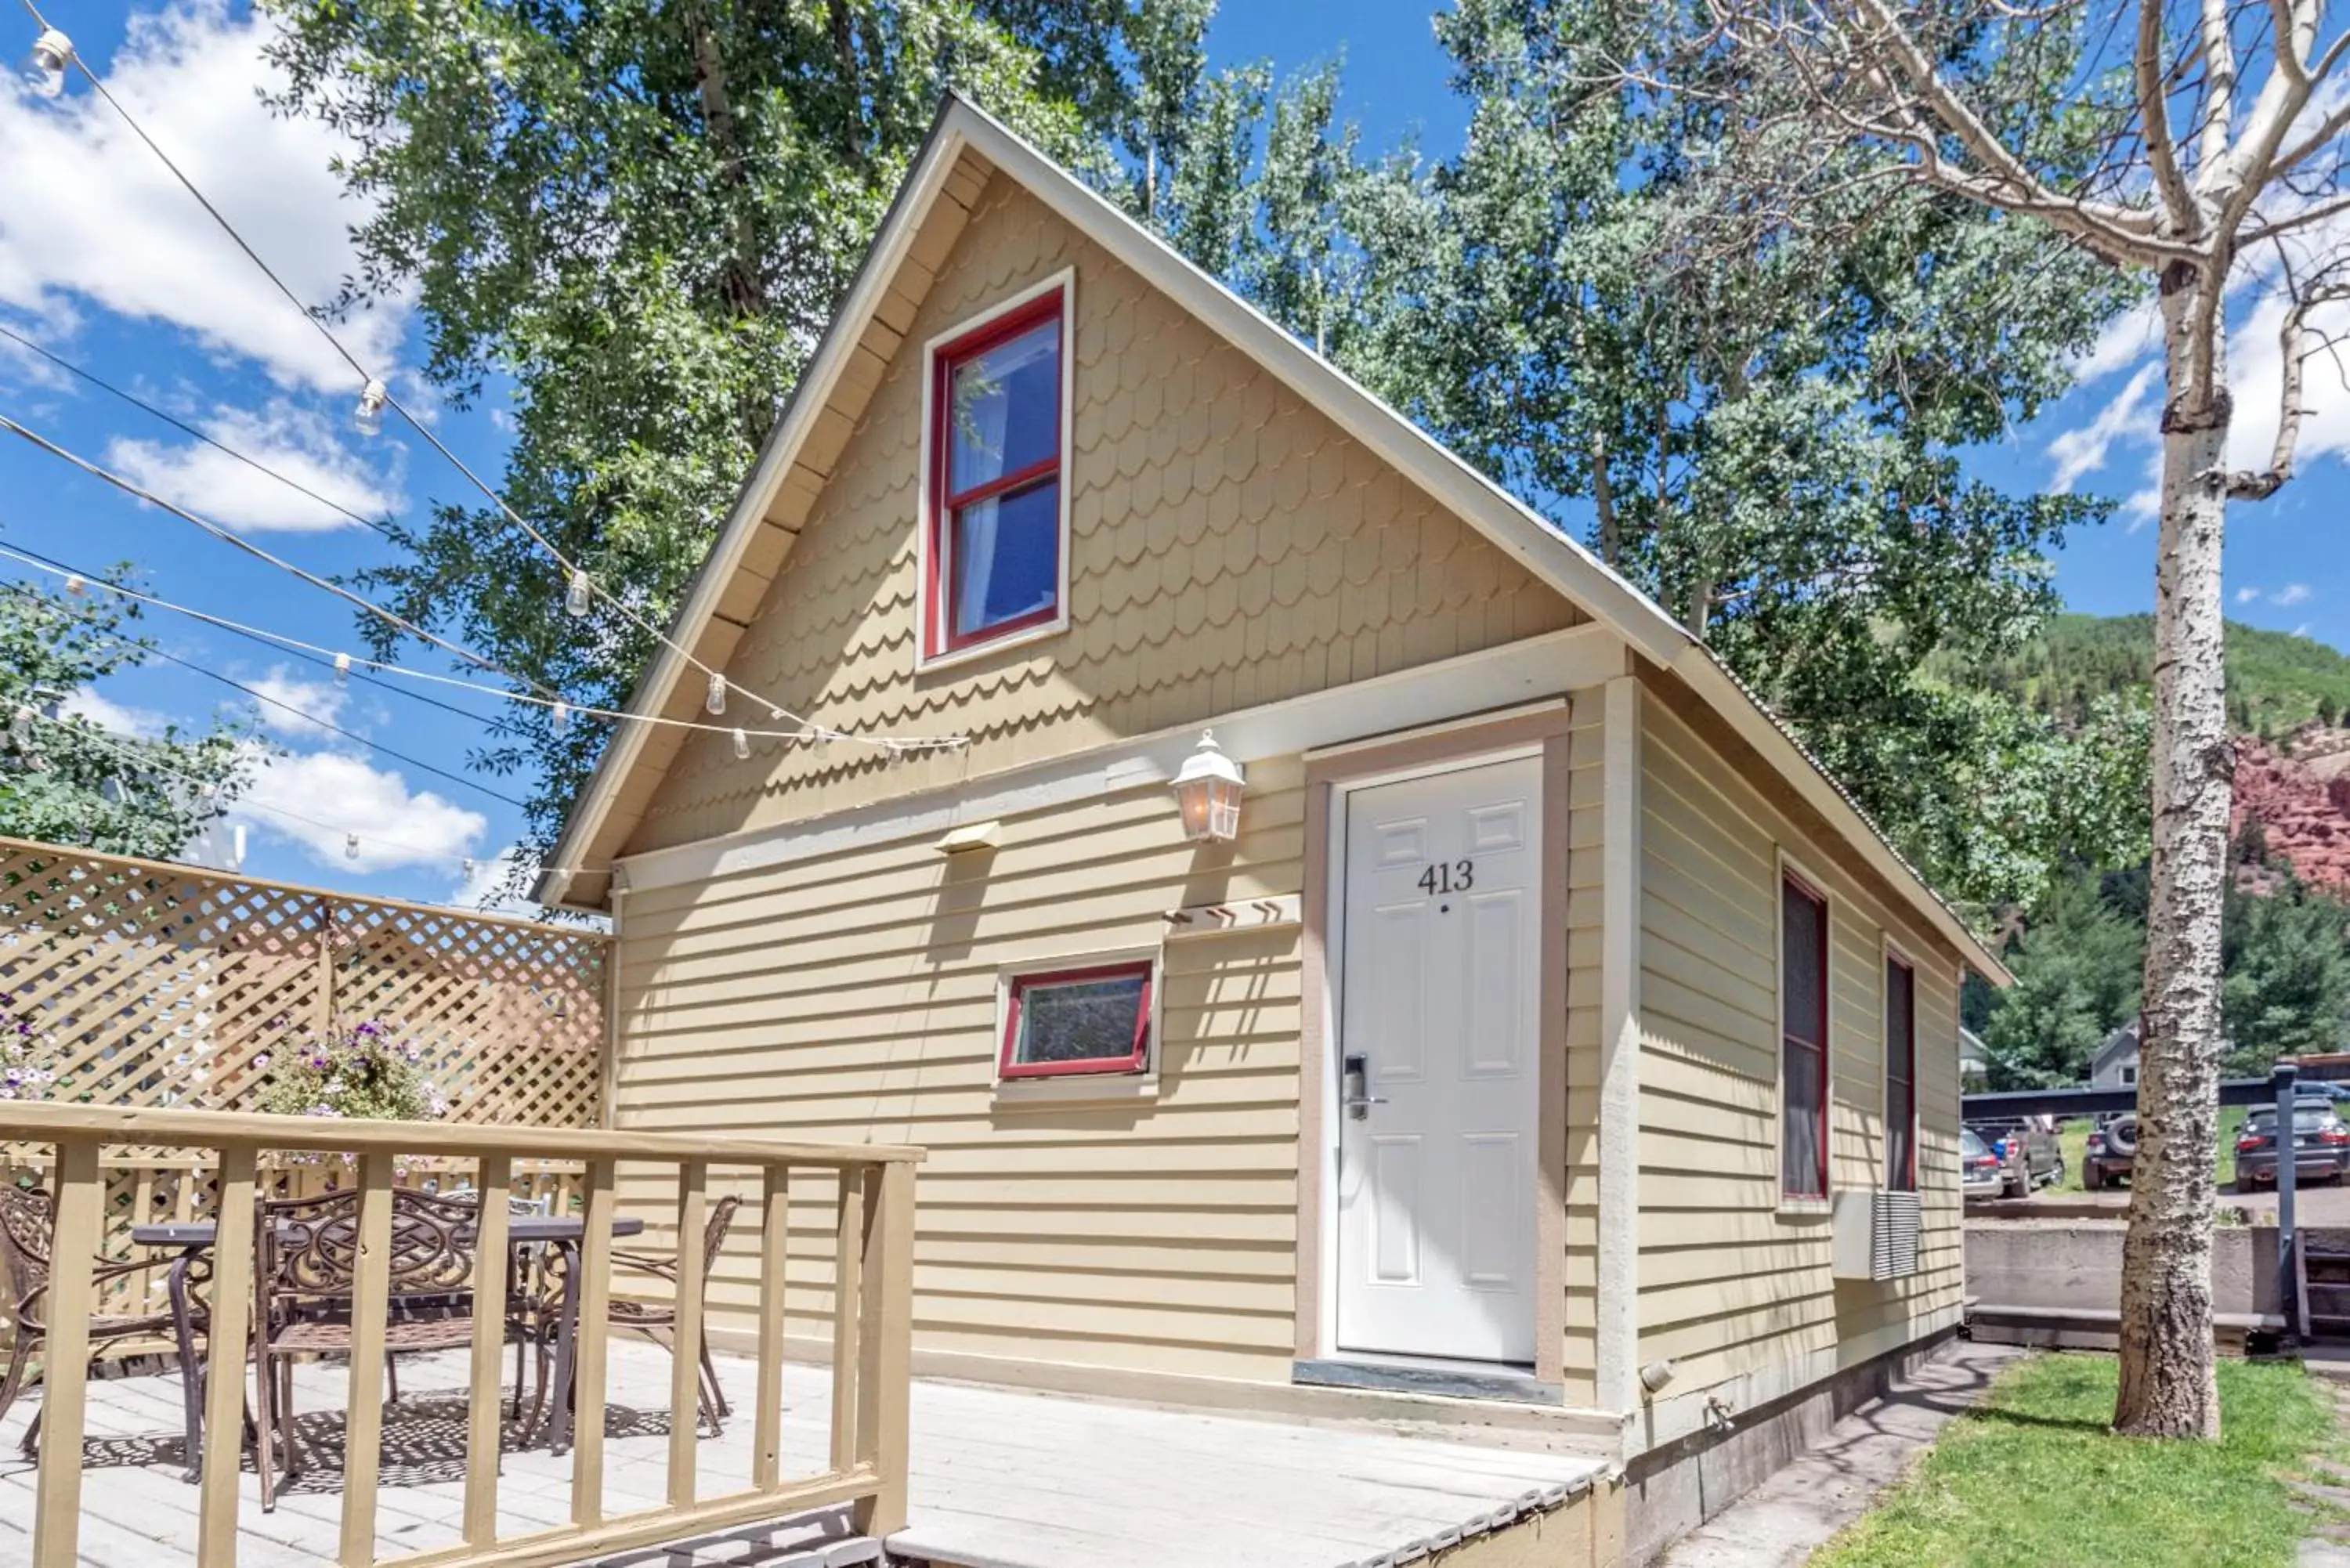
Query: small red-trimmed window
x=1094, y=1020
x=996, y=481
x=1803, y=1034
x=1900, y=1076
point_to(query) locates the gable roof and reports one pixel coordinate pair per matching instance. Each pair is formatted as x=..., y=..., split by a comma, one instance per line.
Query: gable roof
x=596, y=829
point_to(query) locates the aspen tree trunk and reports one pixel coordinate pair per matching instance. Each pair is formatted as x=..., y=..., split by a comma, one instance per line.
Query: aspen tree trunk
x=2169, y=1385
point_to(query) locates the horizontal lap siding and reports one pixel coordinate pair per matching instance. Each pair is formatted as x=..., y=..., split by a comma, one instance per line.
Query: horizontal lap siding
x=1730, y=1285
x=852, y=998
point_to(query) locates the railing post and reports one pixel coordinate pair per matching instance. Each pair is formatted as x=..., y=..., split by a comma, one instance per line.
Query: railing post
x=775, y=1245
x=685, y=1343
x=493, y=1181
x=883, y=1375
x=65, y=1354
x=591, y=1296
x=363, y=1415
x=847, y=1314
x=224, y=1348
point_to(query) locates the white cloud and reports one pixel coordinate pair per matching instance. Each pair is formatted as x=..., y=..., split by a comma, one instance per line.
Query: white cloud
x=316, y=798
x=109, y=714
x=2290, y=595
x=296, y=706
x=298, y=443
x=2247, y=594
x=94, y=217
x=2125, y=339
x=2083, y=451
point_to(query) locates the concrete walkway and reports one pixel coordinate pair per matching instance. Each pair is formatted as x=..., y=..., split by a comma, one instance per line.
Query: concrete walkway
x=1783, y=1521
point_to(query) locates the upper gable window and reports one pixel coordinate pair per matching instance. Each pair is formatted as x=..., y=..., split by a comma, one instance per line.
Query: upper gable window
x=994, y=562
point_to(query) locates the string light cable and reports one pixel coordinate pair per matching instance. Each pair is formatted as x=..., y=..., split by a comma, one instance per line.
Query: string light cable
x=340, y=662
x=375, y=396
x=328, y=726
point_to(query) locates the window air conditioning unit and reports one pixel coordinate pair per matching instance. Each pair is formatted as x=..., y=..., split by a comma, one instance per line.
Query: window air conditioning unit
x=1875, y=1235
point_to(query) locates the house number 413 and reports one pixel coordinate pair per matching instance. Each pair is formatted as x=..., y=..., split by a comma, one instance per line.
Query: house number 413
x=1449, y=877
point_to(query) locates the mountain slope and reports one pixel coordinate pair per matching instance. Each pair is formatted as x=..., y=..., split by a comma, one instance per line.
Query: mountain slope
x=2276, y=680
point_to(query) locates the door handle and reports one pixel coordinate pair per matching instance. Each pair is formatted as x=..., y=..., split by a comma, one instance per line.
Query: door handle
x=1352, y=1093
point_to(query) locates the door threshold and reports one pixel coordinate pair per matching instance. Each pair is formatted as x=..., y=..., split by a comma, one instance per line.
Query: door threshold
x=1454, y=1380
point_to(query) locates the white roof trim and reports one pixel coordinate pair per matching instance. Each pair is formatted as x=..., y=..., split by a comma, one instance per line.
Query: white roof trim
x=1524, y=534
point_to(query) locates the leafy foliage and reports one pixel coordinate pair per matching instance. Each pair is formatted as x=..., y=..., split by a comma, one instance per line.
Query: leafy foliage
x=2275, y=680
x=25, y=1073
x=64, y=779
x=2077, y=970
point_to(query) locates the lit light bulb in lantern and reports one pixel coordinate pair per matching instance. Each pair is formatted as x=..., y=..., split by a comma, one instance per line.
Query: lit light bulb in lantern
x=46, y=68
x=368, y=418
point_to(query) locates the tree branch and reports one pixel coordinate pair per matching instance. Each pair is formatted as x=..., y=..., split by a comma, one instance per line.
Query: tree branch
x=2249, y=485
x=2154, y=105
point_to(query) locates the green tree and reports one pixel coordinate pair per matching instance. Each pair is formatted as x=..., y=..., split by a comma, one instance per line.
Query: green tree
x=2287, y=987
x=65, y=780
x=1757, y=422
x=637, y=218
x=2077, y=967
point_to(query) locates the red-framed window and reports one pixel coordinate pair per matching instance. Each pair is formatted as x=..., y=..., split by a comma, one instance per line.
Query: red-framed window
x=1900, y=1076
x=1803, y=1040
x=995, y=480
x=1091, y=1020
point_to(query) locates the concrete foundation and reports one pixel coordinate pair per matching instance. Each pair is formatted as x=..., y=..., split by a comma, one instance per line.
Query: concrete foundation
x=2077, y=1266
x=1673, y=1490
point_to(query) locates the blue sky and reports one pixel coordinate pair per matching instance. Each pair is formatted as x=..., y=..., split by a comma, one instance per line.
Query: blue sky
x=106, y=262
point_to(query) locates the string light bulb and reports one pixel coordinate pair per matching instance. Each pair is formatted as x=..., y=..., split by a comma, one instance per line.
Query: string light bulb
x=575, y=597
x=368, y=418
x=46, y=68
x=467, y=866
x=741, y=747
x=562, y=717
x=76, y=587
x=342, y=669
x=715, y=700
x=236, y=847
x=350, y=847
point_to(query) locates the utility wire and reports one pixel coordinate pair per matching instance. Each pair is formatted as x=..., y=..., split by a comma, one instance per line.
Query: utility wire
x=177, y=424
x=719, y=680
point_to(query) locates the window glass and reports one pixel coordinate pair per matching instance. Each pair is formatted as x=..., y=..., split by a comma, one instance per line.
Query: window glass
x=1006, y=556
x=1900, y=1077
x=1094, y=1020
x=1007, y=409
x=1803, y=1077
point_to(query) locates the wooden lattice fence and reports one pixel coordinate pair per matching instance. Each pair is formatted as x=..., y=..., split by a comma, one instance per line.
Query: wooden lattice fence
x=159, y=985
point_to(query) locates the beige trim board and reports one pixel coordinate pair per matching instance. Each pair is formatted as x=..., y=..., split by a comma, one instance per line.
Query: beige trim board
x=1546, y=727
x=1466, y=685
x=1550, y=1429
x=1615, y=1377
x=1507, y=523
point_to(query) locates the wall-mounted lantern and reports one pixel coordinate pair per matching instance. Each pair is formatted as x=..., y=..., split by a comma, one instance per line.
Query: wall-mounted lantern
x=1208, y=789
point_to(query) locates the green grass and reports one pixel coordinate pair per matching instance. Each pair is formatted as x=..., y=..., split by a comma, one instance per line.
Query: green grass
x=2032, y=1477
x=2074, y=1138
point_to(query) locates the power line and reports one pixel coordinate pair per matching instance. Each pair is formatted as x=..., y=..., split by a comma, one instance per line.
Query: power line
x=375, y=394
x=177, y=424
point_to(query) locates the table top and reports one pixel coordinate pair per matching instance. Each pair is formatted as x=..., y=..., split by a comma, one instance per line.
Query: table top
x=520, y=1229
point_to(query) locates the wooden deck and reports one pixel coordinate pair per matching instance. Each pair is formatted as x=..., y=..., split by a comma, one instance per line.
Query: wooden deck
x=1000, y=1480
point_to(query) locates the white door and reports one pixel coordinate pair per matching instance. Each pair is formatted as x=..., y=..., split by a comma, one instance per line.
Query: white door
x=1439, y=1003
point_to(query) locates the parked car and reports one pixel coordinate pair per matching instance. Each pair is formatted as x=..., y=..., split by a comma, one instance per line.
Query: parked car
x=1980, y=1174
x=2029, y=1153
x=2320, y=1145
x=2112, y=1145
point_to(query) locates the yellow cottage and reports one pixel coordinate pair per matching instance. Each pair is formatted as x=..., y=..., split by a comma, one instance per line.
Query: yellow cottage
x=1544, y=1044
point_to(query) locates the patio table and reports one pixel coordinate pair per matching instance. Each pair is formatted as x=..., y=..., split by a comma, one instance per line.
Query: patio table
x=193, y=1240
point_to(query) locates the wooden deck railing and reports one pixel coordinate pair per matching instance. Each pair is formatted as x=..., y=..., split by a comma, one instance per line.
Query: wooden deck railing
x=871, y=1327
